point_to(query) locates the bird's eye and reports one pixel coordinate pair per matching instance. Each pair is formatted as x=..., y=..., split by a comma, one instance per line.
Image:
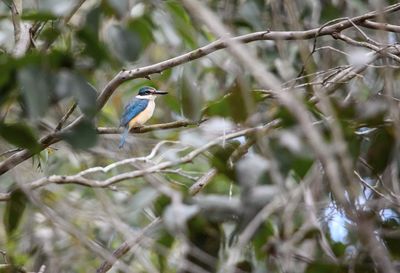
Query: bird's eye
x=148, y=92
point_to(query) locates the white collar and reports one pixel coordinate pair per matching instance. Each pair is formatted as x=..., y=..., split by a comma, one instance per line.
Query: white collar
x=146, y=97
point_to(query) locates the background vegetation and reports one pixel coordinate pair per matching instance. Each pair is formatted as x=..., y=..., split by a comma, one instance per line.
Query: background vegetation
x=276, y=149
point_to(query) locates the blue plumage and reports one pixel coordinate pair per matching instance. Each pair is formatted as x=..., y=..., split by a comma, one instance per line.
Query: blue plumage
x=134, y=108
x=143, y=103
x=123, y=137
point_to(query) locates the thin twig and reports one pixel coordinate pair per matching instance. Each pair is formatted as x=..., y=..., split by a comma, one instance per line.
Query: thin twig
x=66, y=116
x=126, y=75
x=127, y=245
x=109, y=167
x=380, y=26
x=203, y=181
x=80, y=180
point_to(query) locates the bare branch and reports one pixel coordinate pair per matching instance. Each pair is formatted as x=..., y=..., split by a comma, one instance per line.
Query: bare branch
x=66, y=116
x=22, y=35
x=380, y=26
x=202, y=182
x=125, y=75
x=247, y=38
x=74, y=9
x=149, y=128
x=127, y=245
x=16, y=19
x=54, y=137
x=385, y=51
x=125, y=161
x=81, y=180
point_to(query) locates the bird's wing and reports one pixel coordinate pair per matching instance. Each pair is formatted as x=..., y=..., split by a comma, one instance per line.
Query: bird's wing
x=132, y=110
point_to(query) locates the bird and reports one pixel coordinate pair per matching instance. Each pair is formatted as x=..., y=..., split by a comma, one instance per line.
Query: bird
x=139, y=110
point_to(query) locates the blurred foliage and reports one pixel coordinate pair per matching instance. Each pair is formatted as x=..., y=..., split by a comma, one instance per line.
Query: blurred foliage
x=70, y=60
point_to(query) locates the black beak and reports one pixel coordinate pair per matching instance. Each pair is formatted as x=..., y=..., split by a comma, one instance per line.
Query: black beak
x=158, y=92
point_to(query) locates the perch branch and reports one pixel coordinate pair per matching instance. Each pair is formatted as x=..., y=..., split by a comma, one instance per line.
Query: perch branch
x=79, y=179
x=149, y=128
x=125, y=75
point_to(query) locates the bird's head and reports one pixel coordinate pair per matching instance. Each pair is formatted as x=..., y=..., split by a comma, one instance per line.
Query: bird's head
x=148, y=92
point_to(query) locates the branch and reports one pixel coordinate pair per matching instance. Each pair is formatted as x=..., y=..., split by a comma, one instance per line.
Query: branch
x=126, y=161
x=73, y=11
x=64, y=21
x=66, y=116
x=127, y=245
x=79, y=178
x=52, y=138
x=22, y=35
x=149, y=128
x=385, y=50
x=16, y=19
x=202, y=182
x=126, y=75
x=381, y=26
x=345, y=23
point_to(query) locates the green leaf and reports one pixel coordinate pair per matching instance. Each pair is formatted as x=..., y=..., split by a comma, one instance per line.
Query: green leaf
x=190, y=97
x=82, y=136
x=60, y=59
x=93, y=47
x=161, y=204
x=261, y=238
x=373, y=111
x=391, y=239
x=144, y=27
x=182, y=23
x=299, y=162
x=14, y=211
x=38, y=16
x=173, y=103
x=206, y=236
x=35, y=84
x=85, y=94
x=286, y=117
x=330, y=12
x=93, y=21
x=249, y=15
x=244, y=266
x=8, y=77
x=235, y=104
x=318, y=267
x=50, y=34
x=120, y=7
x=124, y=44
x=20, y=135
x=69, y=83
x=165, y=239
x=221, y=157
x=218, y=108
x=381, y=149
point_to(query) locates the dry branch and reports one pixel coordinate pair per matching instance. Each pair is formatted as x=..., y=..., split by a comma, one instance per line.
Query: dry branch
x=126, y=246
x=80, y=178
x=149, y=128
x=125, y=75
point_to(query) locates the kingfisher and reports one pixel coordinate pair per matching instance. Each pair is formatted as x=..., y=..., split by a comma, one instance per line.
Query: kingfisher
x=139, y=110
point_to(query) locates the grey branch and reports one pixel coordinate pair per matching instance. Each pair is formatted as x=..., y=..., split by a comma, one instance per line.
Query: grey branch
x=80, y=179
x=125, y=75
x=144, y=129
x=127, y=245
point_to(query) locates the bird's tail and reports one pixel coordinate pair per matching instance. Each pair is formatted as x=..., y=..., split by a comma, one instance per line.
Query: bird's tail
x=123, y=136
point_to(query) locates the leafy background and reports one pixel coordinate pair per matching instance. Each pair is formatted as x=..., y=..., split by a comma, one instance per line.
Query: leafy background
x=307, y=225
